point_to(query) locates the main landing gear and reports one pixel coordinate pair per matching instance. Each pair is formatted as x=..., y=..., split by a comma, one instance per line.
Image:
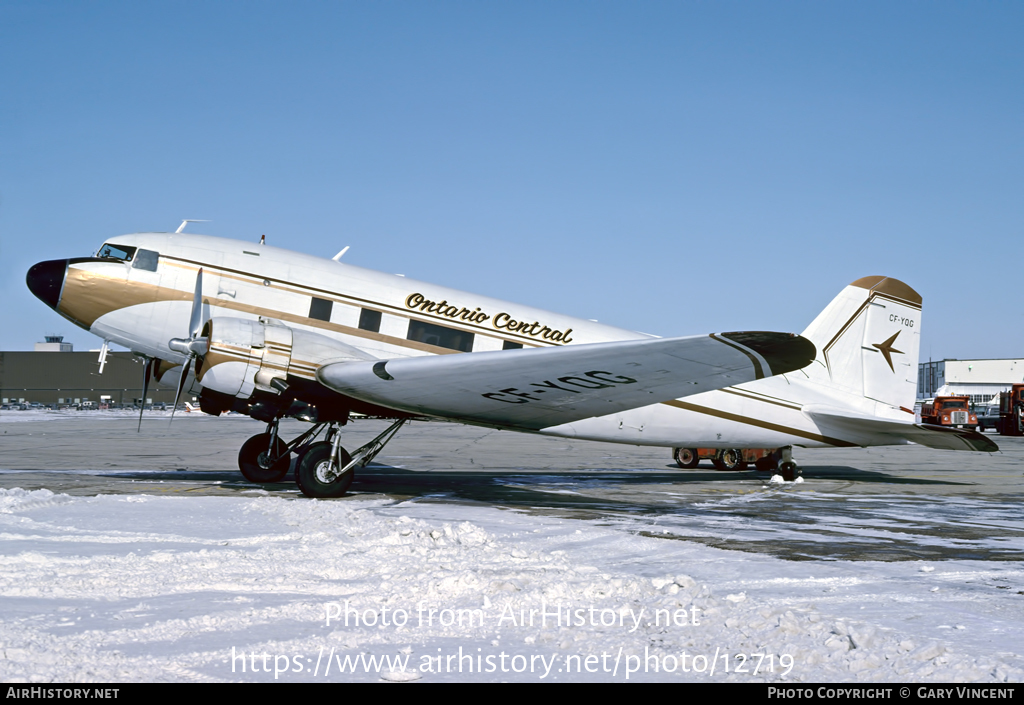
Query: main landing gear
x=323, y=469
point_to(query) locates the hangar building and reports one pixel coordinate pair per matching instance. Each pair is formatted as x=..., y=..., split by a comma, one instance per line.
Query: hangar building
x=979, y=379
x=73, y=377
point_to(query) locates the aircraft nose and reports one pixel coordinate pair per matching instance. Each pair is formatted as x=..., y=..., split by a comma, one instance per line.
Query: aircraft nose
x=46, y=279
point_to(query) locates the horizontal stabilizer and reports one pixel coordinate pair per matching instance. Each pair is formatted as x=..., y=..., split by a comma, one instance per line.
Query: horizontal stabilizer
x=541, y=387
x=941, y=437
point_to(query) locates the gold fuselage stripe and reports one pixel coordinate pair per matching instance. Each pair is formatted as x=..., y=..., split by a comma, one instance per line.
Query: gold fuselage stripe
x=89, y=295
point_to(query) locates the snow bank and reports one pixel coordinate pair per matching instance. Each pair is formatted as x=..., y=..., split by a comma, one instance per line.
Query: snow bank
x=142, y=588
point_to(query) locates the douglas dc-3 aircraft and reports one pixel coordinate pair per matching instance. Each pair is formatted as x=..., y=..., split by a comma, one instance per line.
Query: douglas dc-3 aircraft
x=272, y=333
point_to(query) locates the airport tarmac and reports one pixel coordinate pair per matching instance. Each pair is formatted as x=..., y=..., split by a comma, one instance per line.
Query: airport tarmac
x=885, y=503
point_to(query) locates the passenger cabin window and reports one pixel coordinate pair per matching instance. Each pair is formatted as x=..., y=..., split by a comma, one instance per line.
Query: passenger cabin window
x=509, y=345
x=118, y=252
x=146, y=259
x=320, y=309
x=440, y=336
x=369, y=320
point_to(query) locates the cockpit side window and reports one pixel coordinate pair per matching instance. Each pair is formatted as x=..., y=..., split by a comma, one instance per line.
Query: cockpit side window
x=146, y=259
x=118, y=252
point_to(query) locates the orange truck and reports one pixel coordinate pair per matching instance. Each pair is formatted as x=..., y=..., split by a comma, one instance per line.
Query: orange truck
x=764, y=459
x=949, y=411
x=1011, y=412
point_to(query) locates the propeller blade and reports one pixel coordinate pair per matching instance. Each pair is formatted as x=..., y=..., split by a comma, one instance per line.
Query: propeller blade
x=147, y=374
x=195, y=326
x=195, y=323
x=181, y=384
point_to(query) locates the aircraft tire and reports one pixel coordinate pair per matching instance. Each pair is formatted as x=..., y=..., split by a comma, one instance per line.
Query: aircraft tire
x=309, y=475
x=766, y=464
x=248, y=460
x=729, y=460
x=686, y=458
x=788, y=471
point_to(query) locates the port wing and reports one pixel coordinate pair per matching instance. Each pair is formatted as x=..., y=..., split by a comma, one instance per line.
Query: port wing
x=532, y=389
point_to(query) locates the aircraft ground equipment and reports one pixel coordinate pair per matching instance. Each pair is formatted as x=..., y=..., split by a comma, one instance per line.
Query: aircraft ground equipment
x=735, y=459
x=686, y=458
x=1011, y=411
x=729, y=459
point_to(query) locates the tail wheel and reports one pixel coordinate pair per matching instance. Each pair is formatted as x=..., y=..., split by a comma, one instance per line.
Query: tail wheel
x=731, y=459
x=255, y=464
x=789, y=471
x=686, y=458
x=317, y=475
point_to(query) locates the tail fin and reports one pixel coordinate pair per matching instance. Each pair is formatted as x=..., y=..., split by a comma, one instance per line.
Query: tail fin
x=868, y=341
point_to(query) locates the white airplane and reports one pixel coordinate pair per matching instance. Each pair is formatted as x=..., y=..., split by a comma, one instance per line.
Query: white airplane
x=272, y=333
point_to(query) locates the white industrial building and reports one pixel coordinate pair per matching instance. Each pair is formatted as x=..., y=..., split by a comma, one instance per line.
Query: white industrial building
x=979, y=379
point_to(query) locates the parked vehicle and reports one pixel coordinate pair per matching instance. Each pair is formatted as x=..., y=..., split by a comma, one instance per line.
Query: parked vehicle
x=764, y=459
x=1011, y=411
x=949, y=411
x=988, y=414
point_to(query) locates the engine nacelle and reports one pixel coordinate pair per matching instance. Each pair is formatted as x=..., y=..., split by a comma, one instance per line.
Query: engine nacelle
x=246, y=356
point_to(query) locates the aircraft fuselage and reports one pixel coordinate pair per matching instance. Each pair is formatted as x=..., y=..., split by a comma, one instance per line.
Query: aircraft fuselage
x=140, y=296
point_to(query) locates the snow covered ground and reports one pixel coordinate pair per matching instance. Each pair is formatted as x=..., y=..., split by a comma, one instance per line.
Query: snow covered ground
x=210, y=588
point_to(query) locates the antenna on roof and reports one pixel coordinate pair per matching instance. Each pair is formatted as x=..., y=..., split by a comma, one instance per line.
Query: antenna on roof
x=337, y=257
x=263, y=239
x=181, y=227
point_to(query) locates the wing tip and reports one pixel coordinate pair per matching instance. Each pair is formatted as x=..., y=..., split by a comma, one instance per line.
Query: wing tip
x=784, y=352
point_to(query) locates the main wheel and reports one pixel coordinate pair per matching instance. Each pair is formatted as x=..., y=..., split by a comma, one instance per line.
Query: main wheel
x=686, y=458
x=731, y=459
x=252, y=459
x=766, y=464
x=317, y=474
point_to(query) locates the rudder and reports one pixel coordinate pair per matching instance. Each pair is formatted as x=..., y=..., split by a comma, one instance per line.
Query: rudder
x=868, y=340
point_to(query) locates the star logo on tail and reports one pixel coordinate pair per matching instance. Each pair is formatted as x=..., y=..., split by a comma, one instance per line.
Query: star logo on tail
x=887, y=349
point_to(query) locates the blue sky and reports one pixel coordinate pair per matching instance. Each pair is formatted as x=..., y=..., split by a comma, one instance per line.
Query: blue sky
x=676, y=168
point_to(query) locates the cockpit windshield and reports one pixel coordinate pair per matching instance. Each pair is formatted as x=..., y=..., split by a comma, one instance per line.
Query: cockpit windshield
x=118, y=252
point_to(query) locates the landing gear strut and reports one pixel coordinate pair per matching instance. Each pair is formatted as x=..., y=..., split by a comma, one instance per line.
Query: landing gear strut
x=326, y=469
x=264, y=457
x=323, y=468
x=319, y=472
